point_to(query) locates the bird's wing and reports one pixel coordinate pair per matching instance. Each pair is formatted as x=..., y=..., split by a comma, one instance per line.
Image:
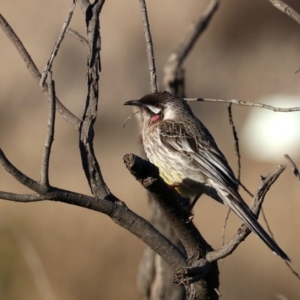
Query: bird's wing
x=197, y=143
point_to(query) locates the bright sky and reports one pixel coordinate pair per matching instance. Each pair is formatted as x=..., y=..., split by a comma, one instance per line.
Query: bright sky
x=268, y=135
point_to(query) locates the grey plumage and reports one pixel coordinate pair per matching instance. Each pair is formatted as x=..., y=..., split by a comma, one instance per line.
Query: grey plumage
x=188, y=157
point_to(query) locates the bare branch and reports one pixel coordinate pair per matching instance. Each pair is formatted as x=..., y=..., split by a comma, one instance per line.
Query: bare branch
x=243, y=231
x=89, y=161
x=67, y=115
x=149, y=46
x=58, y=42
x=294, y=166
x=18, y=175
x=78, y=36
x=50, y=133
x=238, y=155
x=245, y=103
x=120, y=214
x=225, y=225
x=236, y=142
x=21, y=197
x=286, y=9
x=169, y=202
x=84, y=4
x=172, y=73
x=292, y=269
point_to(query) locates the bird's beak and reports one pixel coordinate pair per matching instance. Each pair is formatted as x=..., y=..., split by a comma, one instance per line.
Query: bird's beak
x=133, y=102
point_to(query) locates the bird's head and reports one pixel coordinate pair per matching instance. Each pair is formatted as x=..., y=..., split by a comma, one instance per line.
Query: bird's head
x=160, y=106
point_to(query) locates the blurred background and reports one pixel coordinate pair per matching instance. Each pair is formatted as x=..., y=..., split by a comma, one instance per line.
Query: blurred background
x=250, y=52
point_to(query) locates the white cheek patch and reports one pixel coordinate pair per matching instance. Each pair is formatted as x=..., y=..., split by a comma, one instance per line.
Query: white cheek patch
x=154, y=109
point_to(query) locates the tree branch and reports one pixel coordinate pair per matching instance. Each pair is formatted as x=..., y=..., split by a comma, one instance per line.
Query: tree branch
x=172, y=73
x=89, y=161
x=79, y=37
x=21, y=197
x=243, y=231
x=169, y=202
x=286, y=9
x=121, y=215
x=18, y=175
x=57, y=43
x=149, y=46
x=67, y=115
x=245, y=103
x=50, y=133
x=294, y=166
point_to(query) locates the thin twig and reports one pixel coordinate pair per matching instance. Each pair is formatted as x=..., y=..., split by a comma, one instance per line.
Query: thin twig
x=128, y=118
x=79, y=37
x=182, y=50
x=236, y=142
x=67, y=115
x=246, y=103
x=286, y=9
x=243, y=231
x=294, y=166
x=238, y=155
x=225, y=225
x=50, y=133
x=262, y=211
x=292, y=269
x=149, y=46
x=58, y=42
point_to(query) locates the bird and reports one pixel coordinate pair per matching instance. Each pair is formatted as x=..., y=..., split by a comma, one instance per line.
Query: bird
x=188, y=158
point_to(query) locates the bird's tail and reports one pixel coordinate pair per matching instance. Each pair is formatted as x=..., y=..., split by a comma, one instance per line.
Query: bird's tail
x=239, y=207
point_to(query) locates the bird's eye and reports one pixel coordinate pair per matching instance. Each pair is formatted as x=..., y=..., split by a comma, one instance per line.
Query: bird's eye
x=157, y=105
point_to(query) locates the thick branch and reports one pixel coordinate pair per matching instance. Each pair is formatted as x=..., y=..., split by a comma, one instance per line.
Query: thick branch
x=119, y=214
x=88, y=157
x=169, y=202
x=195, y=246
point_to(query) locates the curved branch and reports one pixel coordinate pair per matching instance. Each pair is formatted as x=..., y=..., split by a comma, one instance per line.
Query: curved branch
x=18, y=175
x=120, y=214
